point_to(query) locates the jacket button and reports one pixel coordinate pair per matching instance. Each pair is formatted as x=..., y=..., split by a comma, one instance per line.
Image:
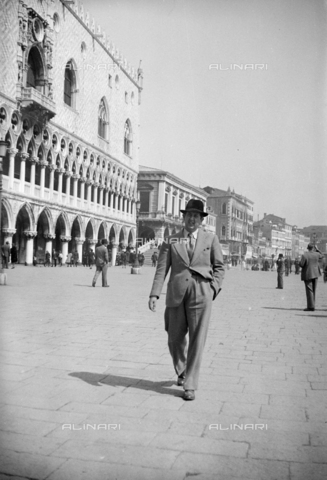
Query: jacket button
x=187, y=279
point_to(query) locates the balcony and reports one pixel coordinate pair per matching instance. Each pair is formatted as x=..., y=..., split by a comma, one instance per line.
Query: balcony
x=33, y=101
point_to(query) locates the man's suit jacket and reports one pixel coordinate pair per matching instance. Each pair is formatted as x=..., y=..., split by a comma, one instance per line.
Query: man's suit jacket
x=101, y=256
x=310, y=265
x=6, y=250
x=207, y=261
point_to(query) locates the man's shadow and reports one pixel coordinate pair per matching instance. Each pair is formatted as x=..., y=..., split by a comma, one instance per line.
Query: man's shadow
x=98, y=380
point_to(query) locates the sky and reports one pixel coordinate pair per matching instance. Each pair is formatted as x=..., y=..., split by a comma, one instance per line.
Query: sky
x=261, y=132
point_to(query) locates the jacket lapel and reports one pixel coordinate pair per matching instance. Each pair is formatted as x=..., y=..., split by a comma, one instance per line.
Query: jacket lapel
x=180, y=247
x=199, y=245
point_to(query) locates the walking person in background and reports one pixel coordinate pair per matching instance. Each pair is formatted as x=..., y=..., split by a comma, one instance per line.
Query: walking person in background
x=14, y=255
x=101, y=262
x=54, y=258
x=69, y=260
x=47, y=261
x=60, y=258
x=5, y=254
x=280, y=271
x=154, y=259
x=310, y=273
x=91, y=258
x=75, y=257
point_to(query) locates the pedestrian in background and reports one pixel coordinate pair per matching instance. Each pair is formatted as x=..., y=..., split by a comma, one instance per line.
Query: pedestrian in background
x=101, y=262
x=75, y=257
x=310, y=273
x=280, y=271
x=154, y=259
x=54, y=258
x=5, y=254
x=14, y=256
x=47, y=261
x=60, y=258
x=69, y=260
x=91, y=258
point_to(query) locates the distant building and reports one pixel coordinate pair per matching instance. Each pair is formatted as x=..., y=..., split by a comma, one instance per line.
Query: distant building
x=277, y=233
x=234, y=226
x=317, y=235
x=162, y=196
x=299, y=242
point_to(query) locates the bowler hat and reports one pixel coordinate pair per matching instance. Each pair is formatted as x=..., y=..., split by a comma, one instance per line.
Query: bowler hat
x=194, y=205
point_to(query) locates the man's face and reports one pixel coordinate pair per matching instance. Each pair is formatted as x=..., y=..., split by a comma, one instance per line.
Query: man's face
x=192, y=221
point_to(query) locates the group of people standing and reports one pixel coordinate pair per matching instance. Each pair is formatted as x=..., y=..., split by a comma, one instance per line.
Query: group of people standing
x=310, y=271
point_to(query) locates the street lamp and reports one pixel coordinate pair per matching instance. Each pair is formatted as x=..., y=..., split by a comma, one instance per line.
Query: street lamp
x=136, y=265
x=3, y=152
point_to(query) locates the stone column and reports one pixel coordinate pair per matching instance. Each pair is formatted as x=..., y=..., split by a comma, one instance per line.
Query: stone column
x=64, y=247
x=75, y=179
x=33, y=160
x=12, y=153
x=30, y=235
x=82, y=180
x=161, y=196
x=101, y=196
x=23, y=158
x=106, y=194
x=48, y=242
x=43, y=165
x=61, y=172
x=114, y=254
x=79, y=243
x=95, y=196
x=89, y=186
x=52, y=169
x=68, y=175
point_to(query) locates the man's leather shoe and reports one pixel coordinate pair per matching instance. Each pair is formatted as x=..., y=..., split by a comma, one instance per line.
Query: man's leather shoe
x=309, y=310
x=189, y=395
x=106, y=286
x=181, y=379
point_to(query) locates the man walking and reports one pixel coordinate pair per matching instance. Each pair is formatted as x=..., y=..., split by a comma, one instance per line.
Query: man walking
x=6, y=254
x=280, y=271
x=101, y=262
x=197, y=271
x=310, y=273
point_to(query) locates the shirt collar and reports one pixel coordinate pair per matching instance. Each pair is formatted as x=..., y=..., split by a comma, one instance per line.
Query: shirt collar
x=195, y=234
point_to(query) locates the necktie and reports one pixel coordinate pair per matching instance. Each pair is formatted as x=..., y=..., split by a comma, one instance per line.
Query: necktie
x=190, y=245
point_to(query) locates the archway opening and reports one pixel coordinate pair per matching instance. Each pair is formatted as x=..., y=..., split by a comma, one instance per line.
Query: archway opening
x=40, y=239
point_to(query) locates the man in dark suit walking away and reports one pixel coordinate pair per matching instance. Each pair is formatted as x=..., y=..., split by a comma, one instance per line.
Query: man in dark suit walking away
x=280, y=271
x=310, y=273
x=195, y=260
x=101, y=262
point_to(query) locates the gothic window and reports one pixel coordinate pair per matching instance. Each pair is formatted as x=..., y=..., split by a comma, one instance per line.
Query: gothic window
x=103, y=120
x=128, y=138
x=35, y=74
x=70, y=85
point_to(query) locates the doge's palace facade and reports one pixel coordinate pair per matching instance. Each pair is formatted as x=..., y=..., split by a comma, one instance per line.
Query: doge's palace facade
x=69, y=111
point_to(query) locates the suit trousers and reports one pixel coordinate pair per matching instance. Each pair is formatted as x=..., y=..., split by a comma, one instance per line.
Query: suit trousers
x=103, y=269
x=191, y=316
x=310, y=290
x=280, y=280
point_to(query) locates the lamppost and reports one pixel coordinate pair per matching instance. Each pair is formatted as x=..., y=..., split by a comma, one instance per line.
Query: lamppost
x=3, y=151
x=136, y=265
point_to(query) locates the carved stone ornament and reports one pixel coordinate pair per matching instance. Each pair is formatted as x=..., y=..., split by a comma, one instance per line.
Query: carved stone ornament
x=65, y=238
x=30, y=234
x=49, y=236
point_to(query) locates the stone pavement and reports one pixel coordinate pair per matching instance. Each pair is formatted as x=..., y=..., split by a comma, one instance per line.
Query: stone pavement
x=88, y=391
